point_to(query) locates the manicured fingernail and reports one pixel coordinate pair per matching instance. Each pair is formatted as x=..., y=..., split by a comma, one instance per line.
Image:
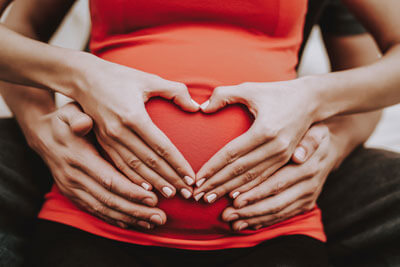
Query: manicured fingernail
x=144, y=224
x=242, y=226
x=211, y=198
x=122, y=225
x=167, y=191
x=146, y=186
x=235, y=195
x=186, y=193
x=300, y=153
x=242, y=204
x=156, y=219
x=232, y=217
x=195, y=103
x=200, y=182
x=198, y=196
x=257, y=227
x=188, y=180
x=205, y=104
x=149, y=202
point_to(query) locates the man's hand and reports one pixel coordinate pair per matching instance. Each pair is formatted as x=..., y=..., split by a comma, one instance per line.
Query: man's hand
x=283, y=113
x=85, y=177
x=292, y=190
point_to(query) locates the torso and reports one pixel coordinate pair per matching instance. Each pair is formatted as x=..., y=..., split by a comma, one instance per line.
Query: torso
x=203, y=44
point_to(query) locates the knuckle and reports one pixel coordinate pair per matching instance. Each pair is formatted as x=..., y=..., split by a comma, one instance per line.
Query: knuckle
x=231, y=156
x=278, y=187
x=109, y=201
x=134, y=163
x=162, y=151
x=131, y=118
x=99, y=209
x=237, y=170
x=283, y=144
x=151, y=162
x=107, y=183
x=113, y=130
x=250, y=176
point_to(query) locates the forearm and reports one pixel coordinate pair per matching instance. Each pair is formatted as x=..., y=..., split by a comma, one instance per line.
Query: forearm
x=350, y=131
x=358, y=90
x=32, y=63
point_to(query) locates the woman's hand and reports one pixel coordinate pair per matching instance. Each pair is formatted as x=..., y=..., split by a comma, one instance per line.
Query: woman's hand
x=139, y=149
x=292, y=190
x=85, y=177
x=283, y=112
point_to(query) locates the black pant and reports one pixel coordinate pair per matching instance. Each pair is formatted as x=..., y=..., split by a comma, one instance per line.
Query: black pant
x=360, y=203
x=60, y=245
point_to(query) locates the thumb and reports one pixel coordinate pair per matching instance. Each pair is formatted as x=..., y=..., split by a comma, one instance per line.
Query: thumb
x=79, y=122
x=310, y=143
x=178, y=93
x=221, y=97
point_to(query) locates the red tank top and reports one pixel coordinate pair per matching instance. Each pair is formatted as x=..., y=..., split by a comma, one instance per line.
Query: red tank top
x=204, y=44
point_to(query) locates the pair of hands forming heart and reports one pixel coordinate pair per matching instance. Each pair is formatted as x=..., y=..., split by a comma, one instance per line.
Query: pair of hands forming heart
x=241, y=164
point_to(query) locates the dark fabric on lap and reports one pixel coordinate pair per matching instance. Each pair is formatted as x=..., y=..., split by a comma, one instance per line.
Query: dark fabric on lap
x=21, y=192
x=360, y=206
x=60, y=245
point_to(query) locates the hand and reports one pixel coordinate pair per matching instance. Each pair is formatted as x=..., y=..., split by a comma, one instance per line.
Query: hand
x=292, y=190
x=85, y=177
x=283, y=112
x=123, y=128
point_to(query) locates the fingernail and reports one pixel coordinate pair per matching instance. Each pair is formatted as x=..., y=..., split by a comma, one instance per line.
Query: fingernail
x=200, y=182
x=144, y=224
x=235, y=195
x=122, y=225
x=232, y=217
x=156, y=219
x=195, y=103
x=188, y=180
x=149, y=202
x=198, y=196
x=300, y=153
x=211, y=198
x=167, y=191
x=146, y=186
x=205, y=104
x=242, y=226
x=242, y=204
x=186, y=193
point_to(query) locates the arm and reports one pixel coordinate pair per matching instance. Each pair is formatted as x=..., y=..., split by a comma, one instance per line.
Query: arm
x=369, y=87
x=123, y=128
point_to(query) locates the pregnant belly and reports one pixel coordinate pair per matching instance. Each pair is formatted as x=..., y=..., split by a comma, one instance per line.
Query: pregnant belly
x=198, y=137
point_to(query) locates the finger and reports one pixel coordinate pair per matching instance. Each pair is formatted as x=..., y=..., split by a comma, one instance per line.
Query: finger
x=232, y=151
x=159, y=142
x=253, y=176
x=79, y=122
x=109, y=215
x=296, y=208
x=263, y=156
x=275, y=184
x=223, y=96
x=125, y=169
x=273, y=204
x=119, y=204
x=310, y=142
x=162, y=184
x=103, y=173
x=177, y=92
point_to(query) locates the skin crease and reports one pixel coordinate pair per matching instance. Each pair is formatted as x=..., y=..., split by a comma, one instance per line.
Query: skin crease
x=30, y=27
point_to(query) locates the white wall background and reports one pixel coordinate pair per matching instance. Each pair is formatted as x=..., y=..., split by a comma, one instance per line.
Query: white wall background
x=76, y=27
